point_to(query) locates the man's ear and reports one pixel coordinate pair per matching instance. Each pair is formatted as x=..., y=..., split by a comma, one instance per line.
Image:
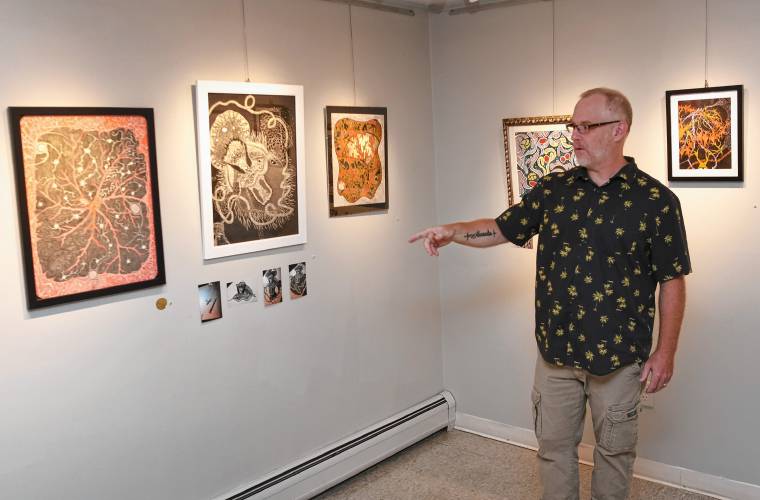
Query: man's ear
x=620, y=131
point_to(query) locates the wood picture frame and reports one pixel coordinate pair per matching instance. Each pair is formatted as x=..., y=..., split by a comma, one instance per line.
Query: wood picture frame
x=357, y=159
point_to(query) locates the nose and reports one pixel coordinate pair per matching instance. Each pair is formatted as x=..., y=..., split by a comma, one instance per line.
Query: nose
x=574, y=134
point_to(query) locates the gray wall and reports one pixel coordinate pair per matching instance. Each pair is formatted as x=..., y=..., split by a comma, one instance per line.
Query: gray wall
x=497, y=65
x=111, y=395
x=110, y=398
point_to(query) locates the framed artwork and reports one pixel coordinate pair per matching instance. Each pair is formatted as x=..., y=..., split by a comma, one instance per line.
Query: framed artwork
x=705, y=134
x=87, y=192
x=357, y=159
x=251, y=166
x=534, y=147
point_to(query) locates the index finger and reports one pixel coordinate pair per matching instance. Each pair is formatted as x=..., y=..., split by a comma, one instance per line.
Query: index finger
x=420, y=235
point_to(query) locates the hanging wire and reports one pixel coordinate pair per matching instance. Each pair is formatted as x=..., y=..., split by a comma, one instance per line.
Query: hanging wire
x=706, y=15
x=245, y=43
x=353, y=58
x=554, y=59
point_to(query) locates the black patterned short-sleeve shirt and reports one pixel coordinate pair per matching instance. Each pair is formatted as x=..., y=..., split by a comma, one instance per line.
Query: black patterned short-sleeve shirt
x=602, y=250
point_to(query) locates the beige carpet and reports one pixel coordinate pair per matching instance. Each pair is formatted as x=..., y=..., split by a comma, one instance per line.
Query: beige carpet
x=459, y=465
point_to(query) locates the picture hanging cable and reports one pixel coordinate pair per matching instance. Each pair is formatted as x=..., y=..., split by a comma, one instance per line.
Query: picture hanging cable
x=706, y=15
x=353, y=58
x=554, y=58
x=245, y=44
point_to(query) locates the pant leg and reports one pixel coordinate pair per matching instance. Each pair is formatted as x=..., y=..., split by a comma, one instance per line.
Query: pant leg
x=559, y=408
x=614, y=401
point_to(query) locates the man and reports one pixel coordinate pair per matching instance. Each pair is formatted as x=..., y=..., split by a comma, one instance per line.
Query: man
x=608, y=235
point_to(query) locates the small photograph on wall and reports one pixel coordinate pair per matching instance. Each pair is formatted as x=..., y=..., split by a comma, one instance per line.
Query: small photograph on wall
x=357, y=159
x=210, y=301
x=272, y=279
x=87, y=190
x=705, y=138
x=297, y=273
x=533, y=147
x=251, y=166
x=240, y=292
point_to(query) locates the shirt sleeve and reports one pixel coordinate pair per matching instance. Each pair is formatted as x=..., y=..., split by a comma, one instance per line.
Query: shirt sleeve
x=670, y=251
x=520, y=222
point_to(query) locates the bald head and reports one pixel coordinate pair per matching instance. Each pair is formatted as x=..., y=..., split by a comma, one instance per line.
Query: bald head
x=617, y=103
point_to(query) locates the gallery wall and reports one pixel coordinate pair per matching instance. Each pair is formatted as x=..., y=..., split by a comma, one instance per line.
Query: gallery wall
x=498, y=64
x=112, y=398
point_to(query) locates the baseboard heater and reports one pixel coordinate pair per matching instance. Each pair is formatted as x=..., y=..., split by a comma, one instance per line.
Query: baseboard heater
x=339, y=461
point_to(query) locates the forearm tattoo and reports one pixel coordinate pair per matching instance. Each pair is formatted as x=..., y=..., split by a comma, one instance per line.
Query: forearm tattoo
x=479, y=234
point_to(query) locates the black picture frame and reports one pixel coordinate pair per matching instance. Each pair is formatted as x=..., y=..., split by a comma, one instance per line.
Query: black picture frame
x=712, y=147
x=58, y=191
x=340, y=205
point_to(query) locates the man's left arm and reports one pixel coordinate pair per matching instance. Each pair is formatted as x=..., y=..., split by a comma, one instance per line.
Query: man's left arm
x=672, y=303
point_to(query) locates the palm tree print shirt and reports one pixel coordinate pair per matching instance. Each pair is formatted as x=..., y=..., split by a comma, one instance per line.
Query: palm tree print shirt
x=602, y=250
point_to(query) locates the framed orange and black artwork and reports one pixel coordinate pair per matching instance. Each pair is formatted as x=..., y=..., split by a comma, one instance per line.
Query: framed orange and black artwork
x=87, y=190
x=357, y=159
x=705, y=134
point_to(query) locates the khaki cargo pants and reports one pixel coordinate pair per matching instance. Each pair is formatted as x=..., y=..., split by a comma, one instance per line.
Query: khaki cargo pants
x=559, y=408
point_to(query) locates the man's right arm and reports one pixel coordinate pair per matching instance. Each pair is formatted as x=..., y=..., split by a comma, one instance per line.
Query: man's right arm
x=478, y=233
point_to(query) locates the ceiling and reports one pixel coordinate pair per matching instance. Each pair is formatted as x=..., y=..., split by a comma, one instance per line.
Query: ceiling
x=438, y=6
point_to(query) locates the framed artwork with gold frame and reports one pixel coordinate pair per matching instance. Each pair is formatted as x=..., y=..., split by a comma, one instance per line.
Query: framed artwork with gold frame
x=533, y=147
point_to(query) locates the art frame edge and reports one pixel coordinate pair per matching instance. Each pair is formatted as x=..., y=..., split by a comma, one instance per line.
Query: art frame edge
x=739, y=89
x=354, y=209
x=201, y=90
x=507, y=123
x=15, y=115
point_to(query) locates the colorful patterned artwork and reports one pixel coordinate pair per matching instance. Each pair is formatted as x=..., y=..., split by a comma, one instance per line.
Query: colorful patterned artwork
x=705, y=133
x=534, y=147
x=541, y=152
x=357, y=159
x=88, y=201
x=251, y=167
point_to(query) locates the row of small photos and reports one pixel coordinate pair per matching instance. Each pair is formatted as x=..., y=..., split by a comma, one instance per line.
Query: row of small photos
x=242, y=291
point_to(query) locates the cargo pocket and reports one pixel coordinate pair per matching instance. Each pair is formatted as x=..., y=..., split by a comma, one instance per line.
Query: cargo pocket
x=621, y=427
x=535, y=397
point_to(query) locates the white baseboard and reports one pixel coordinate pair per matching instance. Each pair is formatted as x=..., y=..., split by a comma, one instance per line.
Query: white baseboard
x=677, y=477
x=332, y=464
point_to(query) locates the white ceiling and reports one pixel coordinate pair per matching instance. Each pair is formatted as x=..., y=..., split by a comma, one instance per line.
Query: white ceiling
x=438, y=6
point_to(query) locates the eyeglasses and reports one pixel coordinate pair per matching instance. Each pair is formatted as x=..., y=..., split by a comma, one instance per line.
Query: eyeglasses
x=583, y=128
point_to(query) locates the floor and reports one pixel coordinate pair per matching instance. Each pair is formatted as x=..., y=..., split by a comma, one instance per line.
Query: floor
x=460, y=465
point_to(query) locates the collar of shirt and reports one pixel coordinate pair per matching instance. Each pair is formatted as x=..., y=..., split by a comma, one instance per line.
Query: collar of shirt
x=627, y=172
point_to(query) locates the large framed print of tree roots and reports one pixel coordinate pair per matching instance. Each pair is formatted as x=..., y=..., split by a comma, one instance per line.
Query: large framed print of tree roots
x=88, y=204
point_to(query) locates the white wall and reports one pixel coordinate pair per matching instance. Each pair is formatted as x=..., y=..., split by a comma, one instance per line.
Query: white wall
x=498, y=64
x=110, y=398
